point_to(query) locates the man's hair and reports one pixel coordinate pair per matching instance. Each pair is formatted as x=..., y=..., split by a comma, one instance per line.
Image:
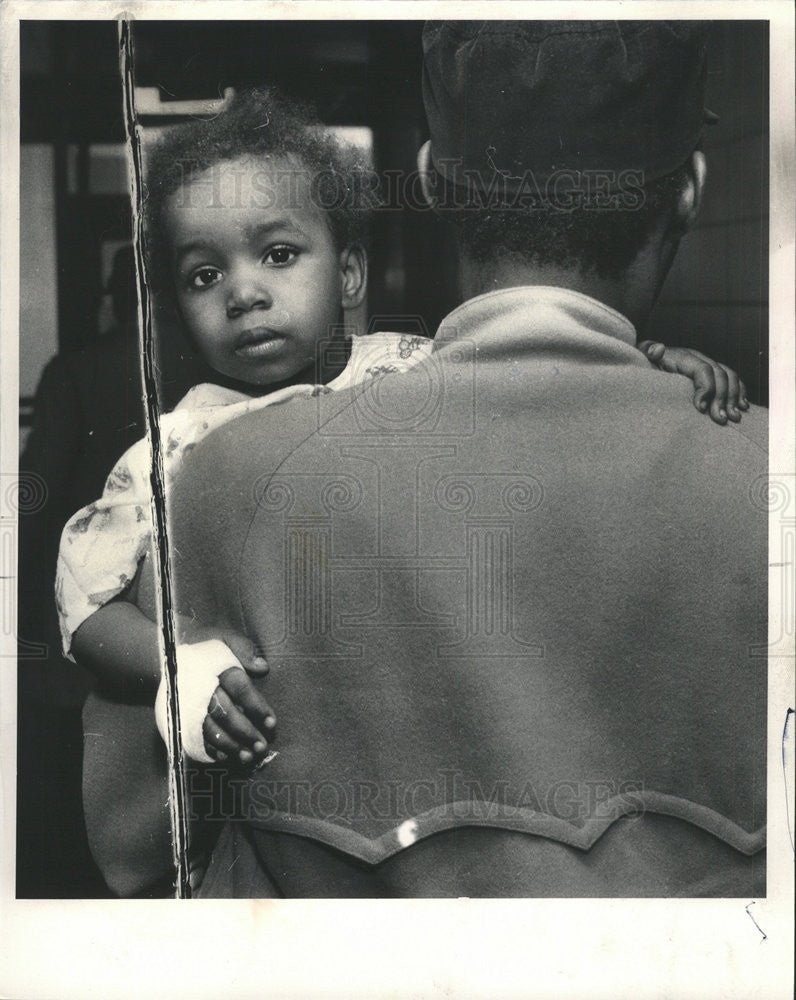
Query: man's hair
x=257, y=123
x=587, y=235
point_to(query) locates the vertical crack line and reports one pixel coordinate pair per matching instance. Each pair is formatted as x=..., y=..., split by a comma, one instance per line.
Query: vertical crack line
x=787, y=760
x=168, y=654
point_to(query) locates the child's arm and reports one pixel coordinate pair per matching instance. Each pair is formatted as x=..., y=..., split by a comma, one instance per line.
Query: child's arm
x=120, y=646
x=103, y=626
x=717, y=389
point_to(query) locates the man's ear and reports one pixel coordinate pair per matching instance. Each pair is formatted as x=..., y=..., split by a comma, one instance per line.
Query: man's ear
x=690, y=200
x=354, y=275
x=425, y=168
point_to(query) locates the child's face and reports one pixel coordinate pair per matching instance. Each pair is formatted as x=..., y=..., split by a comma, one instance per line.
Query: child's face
x=259, y=280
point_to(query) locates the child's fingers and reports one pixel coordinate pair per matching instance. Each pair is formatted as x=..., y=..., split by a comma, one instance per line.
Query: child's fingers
x=668, y=359
x=654, y=350
x=221, y=747
x=702, y=372
x=717, y=389
x=218, y=743
x=242, y=692
x=704, y=386
x=718, y=408
x=231, y=721
x=732, y=405
x=246, y=652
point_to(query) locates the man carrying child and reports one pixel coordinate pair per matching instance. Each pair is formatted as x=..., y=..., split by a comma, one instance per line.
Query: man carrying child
x=509, y=599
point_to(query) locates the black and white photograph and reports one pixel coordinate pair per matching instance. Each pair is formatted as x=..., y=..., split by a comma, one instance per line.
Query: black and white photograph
x=400, y=504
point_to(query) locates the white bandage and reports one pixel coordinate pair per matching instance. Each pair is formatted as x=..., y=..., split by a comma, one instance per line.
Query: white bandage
x=199, y=666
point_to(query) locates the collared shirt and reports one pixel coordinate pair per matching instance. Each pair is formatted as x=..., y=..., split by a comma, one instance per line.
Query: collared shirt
x=533, y=316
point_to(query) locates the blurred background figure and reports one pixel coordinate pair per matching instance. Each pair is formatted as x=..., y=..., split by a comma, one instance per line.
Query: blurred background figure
x=86, y=412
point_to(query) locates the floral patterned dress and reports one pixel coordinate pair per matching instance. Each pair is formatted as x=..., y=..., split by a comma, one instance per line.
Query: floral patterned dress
x=103, y=544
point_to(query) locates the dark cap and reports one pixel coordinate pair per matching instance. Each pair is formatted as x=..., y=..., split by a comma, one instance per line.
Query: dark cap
x=512, y=97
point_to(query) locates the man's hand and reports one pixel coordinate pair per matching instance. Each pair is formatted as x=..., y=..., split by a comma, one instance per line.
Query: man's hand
x=717, y=388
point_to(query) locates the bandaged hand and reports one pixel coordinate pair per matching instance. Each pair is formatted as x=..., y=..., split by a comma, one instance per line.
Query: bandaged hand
x=222, y=714
x=717, y=389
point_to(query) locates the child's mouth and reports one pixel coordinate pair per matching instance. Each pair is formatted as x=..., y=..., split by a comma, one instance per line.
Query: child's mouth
x=259, y=342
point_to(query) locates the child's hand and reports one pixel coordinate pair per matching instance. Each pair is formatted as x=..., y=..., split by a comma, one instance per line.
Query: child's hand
x=716, y=387
x=223, y=716
x=239, y=721
x=190, y=631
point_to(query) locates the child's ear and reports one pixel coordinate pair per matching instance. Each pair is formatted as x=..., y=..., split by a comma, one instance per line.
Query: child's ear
x=354, y=276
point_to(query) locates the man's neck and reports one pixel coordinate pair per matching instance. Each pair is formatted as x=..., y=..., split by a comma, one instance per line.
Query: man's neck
x=633, y=294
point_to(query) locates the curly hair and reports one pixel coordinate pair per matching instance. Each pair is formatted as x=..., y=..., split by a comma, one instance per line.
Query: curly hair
x=588, y=236
x=258, y=123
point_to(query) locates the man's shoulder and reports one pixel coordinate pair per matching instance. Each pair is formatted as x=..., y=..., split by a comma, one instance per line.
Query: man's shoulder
x=754, y=428
x=658, y=406
x=264, y=437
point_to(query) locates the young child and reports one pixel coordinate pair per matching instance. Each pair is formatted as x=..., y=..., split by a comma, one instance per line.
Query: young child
x=255, y=218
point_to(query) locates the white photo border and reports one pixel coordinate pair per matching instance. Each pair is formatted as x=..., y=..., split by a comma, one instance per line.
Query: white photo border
x=413, y=948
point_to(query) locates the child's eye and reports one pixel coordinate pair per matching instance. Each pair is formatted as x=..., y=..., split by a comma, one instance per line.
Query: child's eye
x=280, y=255
x=203, y=277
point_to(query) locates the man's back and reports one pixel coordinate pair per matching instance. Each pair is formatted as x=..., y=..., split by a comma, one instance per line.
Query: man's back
x=515, y=599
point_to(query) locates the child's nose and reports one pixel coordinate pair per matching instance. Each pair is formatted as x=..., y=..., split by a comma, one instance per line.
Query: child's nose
x=247, y=290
